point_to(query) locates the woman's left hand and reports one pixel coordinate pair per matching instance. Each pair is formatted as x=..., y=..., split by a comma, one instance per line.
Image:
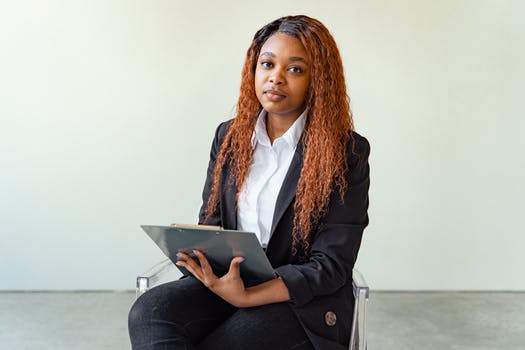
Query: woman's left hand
x=229, y=287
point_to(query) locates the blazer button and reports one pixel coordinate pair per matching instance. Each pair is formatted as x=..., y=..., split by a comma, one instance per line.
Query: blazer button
x=330, y=318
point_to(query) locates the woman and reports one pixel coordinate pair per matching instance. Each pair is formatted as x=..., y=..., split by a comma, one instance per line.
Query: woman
x=290, y=168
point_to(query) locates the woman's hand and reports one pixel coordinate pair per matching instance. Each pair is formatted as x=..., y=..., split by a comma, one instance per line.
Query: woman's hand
x=229, y=287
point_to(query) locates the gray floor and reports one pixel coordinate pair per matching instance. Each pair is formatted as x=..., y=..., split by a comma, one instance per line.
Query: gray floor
x=458, y=321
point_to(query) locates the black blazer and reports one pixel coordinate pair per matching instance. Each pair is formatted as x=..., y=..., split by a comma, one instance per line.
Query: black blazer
x=321, y=287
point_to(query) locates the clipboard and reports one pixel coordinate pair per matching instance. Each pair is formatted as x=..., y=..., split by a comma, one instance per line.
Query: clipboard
x=218, y=245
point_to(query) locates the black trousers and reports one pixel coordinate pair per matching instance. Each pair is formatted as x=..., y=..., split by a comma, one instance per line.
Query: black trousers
x=184, y=314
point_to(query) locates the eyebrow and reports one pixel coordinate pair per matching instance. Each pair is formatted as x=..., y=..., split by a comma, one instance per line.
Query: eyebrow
x=296, y=59
x=292, y=59
x=271, y=54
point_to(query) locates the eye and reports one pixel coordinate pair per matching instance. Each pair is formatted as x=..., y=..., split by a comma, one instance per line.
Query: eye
x=295, y=69
x=266, y=64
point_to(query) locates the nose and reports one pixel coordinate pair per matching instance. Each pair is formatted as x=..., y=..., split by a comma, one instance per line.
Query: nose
x=277, y=78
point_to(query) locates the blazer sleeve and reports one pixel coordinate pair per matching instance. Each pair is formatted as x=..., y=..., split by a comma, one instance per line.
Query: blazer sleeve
x=336, y=243
x=220, y=133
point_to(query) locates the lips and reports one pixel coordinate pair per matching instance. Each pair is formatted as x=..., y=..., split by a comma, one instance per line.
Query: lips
x=275, y=92
x=274, y=95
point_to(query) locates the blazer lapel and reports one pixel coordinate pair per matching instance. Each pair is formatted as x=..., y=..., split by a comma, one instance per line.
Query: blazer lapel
x=289, y=186
x=284, y=198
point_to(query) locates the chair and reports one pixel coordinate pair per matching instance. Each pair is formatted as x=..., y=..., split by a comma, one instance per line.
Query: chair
x=160, y=272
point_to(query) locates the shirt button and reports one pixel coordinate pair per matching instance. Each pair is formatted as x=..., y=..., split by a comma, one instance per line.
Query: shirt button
x=330, y=318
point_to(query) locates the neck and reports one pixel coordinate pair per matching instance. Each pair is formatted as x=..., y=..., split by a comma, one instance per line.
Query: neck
x=277, y=125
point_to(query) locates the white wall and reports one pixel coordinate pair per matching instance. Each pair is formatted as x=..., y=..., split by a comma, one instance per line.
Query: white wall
x=108, y=109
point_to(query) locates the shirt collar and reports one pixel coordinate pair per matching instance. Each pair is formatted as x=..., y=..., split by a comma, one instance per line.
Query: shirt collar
x=291, y=136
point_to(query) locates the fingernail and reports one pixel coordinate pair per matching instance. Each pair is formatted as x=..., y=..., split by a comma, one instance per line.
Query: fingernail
x=240, y=261
x=178, y=263
x=195, y=251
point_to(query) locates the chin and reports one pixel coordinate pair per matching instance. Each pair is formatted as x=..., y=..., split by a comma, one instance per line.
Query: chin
x=275, y=110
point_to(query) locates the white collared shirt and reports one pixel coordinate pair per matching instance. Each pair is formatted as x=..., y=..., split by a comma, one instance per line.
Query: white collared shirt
x=269, y=166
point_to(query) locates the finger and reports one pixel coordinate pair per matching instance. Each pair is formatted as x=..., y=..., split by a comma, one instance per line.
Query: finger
x=183, y=263
x=189, y=264
x=195, y=272
x=192, y=263
x=235, y=266
x=205, y=265
x=183, y=256
x=189, y=268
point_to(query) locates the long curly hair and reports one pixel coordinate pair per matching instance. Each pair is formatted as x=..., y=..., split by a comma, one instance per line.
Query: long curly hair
x=325, y=137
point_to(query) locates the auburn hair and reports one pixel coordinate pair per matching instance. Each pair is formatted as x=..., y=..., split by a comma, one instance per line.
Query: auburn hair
x=325, y=137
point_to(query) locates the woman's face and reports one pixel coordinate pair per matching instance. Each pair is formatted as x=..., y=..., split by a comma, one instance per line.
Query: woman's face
x=282, y=76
